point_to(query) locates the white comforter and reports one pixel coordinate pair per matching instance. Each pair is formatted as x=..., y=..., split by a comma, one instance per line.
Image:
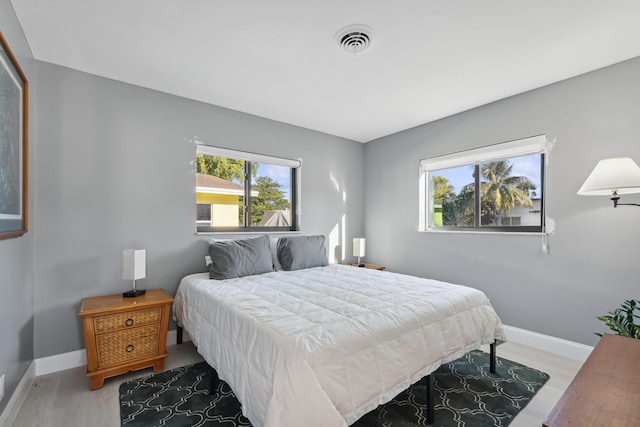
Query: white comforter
x=324, y=346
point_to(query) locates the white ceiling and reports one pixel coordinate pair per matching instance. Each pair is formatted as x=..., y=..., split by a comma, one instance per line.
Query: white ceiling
x=278, y=59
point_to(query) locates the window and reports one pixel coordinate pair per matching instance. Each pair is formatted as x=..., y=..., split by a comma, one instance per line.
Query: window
x=499, y=188
x=203, y=213
x=237, y=191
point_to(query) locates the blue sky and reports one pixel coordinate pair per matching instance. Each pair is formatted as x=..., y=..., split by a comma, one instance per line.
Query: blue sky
x=280, y=174
x=528, y=166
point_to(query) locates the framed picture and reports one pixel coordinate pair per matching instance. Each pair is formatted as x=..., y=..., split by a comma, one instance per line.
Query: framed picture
x=14, y=153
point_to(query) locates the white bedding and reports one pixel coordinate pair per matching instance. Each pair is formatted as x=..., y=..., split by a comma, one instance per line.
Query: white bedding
x=324, y=346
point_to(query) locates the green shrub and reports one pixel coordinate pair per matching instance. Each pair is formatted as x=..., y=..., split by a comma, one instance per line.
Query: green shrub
x=624, y=320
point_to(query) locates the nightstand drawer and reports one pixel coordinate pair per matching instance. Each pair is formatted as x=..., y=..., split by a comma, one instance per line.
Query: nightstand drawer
x=123, y=346
x=114, y=322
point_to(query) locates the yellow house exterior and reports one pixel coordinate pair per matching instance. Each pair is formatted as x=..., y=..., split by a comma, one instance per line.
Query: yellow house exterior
x=218, y=201
x=225, y=209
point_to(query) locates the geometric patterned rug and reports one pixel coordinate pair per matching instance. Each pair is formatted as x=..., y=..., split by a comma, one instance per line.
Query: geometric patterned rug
x=466, y=395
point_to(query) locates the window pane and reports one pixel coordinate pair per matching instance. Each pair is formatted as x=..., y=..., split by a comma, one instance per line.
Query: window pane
x=203, y=213
x=452, y=198
x=511, y=192
x=271, y=196
x=219, y=185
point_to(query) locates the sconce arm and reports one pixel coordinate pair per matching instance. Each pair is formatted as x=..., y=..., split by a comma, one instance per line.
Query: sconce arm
x=615, y=199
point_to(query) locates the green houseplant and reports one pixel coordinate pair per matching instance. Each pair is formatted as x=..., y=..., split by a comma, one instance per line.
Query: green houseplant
x=624, y=320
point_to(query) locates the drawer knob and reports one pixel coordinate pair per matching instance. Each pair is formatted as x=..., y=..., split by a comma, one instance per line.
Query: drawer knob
x=128, y=322
x=129, y=348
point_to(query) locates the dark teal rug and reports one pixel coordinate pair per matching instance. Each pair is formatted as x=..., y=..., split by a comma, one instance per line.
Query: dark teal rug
x=466, y=394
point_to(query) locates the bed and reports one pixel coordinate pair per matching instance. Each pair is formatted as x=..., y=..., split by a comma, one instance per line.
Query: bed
x=322, y=345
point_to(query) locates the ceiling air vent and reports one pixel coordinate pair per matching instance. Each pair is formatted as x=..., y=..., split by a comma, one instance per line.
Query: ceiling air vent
x=354, y=39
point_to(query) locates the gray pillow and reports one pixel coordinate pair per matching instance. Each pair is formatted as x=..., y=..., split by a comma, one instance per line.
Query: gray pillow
x=238, y=258
x=299, y=252
x=273, y=245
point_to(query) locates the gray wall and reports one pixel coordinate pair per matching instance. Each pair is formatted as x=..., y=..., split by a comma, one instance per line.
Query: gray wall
x=593, y=262
x=112, y=169
x=16, y=255
x=115, y=171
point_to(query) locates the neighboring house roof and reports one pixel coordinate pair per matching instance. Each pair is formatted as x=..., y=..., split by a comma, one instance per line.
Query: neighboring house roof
x=215, y=185
x=275, y=218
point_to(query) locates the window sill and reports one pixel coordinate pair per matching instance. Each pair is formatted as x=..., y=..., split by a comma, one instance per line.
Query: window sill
x=507, y=233
x=243, y=233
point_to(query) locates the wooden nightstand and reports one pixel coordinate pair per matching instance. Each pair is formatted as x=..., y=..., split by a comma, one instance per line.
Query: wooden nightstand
x=124, y=334
x=371, y=266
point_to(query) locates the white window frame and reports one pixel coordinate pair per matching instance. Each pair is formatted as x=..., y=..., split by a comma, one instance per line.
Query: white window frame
x=538, y=144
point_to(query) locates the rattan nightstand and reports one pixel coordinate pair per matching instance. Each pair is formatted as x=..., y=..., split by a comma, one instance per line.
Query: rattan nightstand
x=124, y=334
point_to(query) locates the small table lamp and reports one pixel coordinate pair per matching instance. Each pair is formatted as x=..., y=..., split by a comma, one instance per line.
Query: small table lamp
x=134, y=267
x=358, y=249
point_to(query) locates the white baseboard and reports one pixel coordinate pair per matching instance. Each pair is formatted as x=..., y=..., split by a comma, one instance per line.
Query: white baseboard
x=73, y=359
x=60, y=362
x=13, y=407
x=562, y=347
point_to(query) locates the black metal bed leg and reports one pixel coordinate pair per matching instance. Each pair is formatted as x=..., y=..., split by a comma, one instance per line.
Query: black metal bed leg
x=213, y=382
x=431, y=414
x=492, y=357
x=179, y=335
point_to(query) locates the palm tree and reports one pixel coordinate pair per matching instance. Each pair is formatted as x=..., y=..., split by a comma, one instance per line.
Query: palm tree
x=500, y=191
x=442, y=190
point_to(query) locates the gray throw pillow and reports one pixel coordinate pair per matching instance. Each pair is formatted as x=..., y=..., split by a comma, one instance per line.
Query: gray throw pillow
x=299, y=252
x=238, y=258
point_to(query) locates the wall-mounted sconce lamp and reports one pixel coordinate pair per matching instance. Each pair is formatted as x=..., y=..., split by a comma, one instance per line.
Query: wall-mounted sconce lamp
x=612, y=177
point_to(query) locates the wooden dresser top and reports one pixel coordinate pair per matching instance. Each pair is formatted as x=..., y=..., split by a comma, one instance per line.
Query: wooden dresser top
x=606, y=390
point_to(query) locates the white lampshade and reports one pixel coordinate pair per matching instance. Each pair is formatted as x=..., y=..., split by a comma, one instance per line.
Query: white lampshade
x=620, y=174
x=134, y=264
x=358, y=247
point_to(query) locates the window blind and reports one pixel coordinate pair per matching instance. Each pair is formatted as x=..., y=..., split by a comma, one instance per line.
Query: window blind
x=520, y=147
x=242, y=155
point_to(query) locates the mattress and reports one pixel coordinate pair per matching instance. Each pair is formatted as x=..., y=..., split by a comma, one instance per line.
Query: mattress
x=323, y=346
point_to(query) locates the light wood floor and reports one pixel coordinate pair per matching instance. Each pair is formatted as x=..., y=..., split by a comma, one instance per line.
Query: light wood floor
x=64, y=399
